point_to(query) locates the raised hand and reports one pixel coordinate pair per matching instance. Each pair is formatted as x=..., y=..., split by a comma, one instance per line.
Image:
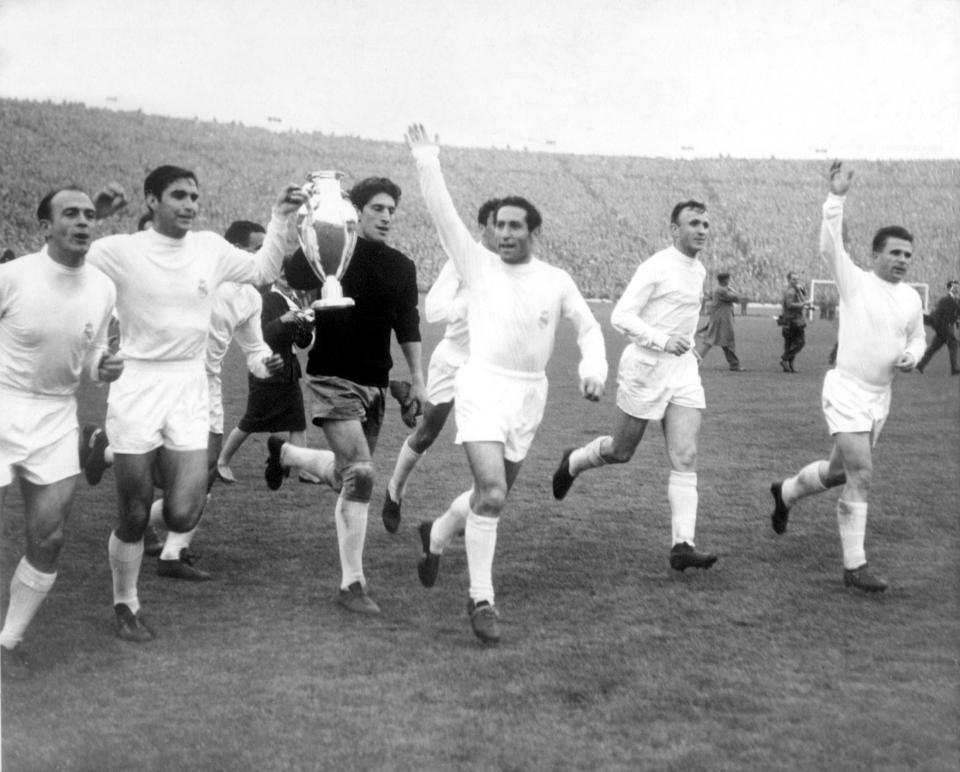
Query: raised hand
x=291, y=198
x=417, y=136
x=109, y=200
x=839, y=179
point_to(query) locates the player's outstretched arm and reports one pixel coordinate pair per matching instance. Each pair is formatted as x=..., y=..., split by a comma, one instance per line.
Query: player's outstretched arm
x=832, y=250
x=455, y=238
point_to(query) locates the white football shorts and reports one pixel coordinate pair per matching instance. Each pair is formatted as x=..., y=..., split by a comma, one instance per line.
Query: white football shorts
x=648, y=381
x=38, y=437
x=496, y=405
x=156, y=404
x=850, y=405
x=447, y=358
x=215, y=389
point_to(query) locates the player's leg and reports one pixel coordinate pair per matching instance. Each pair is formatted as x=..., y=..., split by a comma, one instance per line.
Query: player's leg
x=416, y=444
x=854, y=452
x=491, y=485
x=617, y=448
x=348, y=442
x=681, y=432
x=298, y=439
x=176, y=560
x=814, y=478
x=133, y=474
x=45, y=511
x=318, y=462
x=436, y=535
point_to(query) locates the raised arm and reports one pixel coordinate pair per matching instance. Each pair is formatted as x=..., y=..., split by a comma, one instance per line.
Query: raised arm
x=264, y=266
x=455, y=238
x=832, y=250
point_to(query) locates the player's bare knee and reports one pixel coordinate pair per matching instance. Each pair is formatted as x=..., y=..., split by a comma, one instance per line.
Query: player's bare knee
x=834, y=478
x=490, y=500
x=183, y=518
x=358, y=481
x=617, y=455
x=684, y=460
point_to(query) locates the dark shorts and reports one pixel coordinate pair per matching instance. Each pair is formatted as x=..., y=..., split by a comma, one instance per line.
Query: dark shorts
x=273, y=407
x=337, y=399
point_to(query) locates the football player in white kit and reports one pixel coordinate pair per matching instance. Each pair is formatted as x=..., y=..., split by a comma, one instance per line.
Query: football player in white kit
x=54, y=312
x=514, y=303
x=881, y=332
x=658, y=377
x=446, y=301
x=159, y=411
x=235, y=315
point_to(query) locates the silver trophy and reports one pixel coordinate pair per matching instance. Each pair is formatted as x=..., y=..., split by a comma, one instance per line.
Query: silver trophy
x=327, y=228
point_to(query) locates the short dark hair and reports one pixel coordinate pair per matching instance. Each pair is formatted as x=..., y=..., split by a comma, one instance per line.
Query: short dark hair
x=7, y=256
x=697, y=206
x=487, y=208
x=361, y=193
x=238, y=233
x=45, y=207
x=890, y=232
x=534, y=220
x=723, y=276
x=163, y=177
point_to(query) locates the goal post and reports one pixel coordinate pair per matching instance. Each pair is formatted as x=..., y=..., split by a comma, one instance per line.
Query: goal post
x=823, y=293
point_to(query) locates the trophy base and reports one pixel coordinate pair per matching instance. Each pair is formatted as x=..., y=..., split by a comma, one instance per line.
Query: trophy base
x=325, y=304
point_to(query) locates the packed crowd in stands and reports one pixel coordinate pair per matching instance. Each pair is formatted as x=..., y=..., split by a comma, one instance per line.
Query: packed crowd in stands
x=601, y=214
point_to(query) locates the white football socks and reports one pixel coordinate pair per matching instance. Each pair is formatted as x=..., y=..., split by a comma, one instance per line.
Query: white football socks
x=156, y=513
x=450, y=523
x=806, y=482
x=179, y=540
x=28, y=588
x=407, y=459
x=125, y=560
x=588, y=457
x=683, y=498
x=320, y=463
x=351, y=520
x=852, y=521
x=480, y=540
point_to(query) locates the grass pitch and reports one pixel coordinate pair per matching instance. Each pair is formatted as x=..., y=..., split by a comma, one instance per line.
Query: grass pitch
x=609, y=659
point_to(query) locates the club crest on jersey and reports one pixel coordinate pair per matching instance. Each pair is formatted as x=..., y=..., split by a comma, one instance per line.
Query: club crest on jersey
x=202, y=288
x=544, y=319
x=88, y=331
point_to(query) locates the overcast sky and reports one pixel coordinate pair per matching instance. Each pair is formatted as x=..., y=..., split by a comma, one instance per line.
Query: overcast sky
x=752, y=78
